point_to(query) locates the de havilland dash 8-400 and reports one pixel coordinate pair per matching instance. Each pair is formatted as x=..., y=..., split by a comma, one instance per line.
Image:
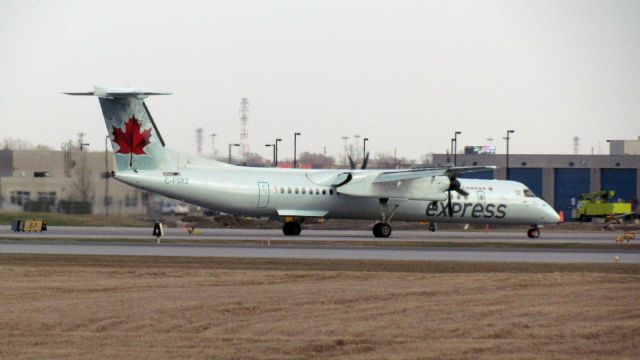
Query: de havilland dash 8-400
x=421, y=194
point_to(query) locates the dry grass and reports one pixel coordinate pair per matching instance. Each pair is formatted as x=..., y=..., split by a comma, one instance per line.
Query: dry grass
x=128, y=307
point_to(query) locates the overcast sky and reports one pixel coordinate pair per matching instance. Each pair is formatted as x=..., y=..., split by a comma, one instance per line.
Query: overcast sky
x=406, y=74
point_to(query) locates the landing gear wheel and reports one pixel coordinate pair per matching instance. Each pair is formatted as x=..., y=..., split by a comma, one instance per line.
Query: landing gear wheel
x=533, y=233
x=382, y=230
x=292, y=228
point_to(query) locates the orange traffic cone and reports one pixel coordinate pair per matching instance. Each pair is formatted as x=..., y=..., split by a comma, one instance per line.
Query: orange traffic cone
x=561, y=214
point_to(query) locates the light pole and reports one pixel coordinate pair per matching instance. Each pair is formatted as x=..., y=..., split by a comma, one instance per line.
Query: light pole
x=345, y=149
x=450, y=151
x=507, y=158
x=230, y=145
x=295, y=159
x=274, y=152
x=364, y=148
x=455, y=146
x=106, y=176
x=276, y=149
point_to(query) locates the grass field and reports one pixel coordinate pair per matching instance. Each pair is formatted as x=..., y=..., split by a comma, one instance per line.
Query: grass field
x=144, y=307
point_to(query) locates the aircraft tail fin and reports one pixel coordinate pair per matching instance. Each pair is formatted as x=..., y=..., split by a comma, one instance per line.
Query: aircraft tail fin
x=135, y=139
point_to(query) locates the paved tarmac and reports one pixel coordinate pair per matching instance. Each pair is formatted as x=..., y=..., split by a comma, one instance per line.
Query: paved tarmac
x=36, y=243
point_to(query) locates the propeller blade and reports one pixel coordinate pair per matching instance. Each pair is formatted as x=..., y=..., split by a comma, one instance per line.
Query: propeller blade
x=455, y=186
x=462, y=191
x=365, y=161
x=351, y=163
x=449, y=206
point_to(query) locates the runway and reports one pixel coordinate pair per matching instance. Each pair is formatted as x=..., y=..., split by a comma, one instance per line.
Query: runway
x=551, y=237
x=36, y=243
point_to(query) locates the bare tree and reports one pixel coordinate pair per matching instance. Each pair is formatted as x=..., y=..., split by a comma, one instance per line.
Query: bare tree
x=317, y=161
x=83, y=181
x=253, y=159
x=19, y=144
x=387, y=161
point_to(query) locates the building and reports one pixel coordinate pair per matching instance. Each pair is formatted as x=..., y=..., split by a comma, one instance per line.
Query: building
x=624, y=147
x=67, y=181
x=560, y=179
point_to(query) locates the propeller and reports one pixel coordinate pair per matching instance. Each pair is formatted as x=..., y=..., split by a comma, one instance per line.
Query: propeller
x=352, y=164
x=365, y=161
x=454, y=185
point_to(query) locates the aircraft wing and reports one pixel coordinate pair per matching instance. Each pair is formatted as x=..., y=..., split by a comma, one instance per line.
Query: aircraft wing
x=411, y=174
x=429, y=184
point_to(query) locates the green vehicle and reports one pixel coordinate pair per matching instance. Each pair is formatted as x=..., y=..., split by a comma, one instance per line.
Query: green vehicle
x=600, y=204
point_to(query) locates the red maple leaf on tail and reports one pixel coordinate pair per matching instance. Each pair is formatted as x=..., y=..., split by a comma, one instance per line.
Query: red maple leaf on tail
x=131, y=140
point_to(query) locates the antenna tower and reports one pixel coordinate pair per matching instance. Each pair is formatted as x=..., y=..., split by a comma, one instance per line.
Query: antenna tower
x=244, y=133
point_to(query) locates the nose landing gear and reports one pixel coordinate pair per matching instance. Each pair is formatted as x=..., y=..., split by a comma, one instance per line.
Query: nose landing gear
x=534, y=232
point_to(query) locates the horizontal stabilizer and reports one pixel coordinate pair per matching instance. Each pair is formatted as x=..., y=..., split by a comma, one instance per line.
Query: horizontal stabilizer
x=117, y=92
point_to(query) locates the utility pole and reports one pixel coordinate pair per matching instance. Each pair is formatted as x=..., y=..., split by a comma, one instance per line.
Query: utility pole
x=199, y=141
x=213, y=145
x=345, y=138
x=230, y=145
x=244, y=132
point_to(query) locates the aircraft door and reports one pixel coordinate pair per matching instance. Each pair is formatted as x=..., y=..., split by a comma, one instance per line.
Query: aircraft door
x=263, y=194
x=481, y=198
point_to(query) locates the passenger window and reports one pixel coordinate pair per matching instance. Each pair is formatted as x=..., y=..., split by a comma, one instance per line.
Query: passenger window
x=310, y=191
x=297, y=190
x=317, y=191
x=324, y=192
x=330, y=191
x=282, y=190
x=304, y=191
x=289, y=190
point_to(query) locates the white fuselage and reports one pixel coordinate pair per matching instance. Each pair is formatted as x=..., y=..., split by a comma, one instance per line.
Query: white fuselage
x=291, y=192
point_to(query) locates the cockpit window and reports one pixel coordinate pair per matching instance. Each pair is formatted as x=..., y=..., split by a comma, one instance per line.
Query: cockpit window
x=528, y=193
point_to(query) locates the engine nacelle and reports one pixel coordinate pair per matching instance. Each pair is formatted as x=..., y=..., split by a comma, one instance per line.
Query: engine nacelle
x=431, y=188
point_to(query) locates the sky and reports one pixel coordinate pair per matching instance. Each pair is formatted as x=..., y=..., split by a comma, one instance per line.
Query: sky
x=405, y=74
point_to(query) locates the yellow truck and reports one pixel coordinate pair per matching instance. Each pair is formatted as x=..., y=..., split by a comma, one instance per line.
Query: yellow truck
x=599, y=204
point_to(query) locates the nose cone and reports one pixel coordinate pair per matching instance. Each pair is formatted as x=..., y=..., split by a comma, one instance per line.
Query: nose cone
x=549, y=216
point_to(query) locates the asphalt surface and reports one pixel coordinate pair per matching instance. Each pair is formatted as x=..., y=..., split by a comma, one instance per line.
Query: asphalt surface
x=72, y=232
x=36, y=243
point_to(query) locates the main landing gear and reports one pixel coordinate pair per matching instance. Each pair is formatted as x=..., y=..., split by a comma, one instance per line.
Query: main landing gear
x=292, y=228
x=383, y=229
x=534, y=232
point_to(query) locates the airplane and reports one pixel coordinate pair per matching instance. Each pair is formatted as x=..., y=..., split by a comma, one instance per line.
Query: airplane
x=436, y=195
